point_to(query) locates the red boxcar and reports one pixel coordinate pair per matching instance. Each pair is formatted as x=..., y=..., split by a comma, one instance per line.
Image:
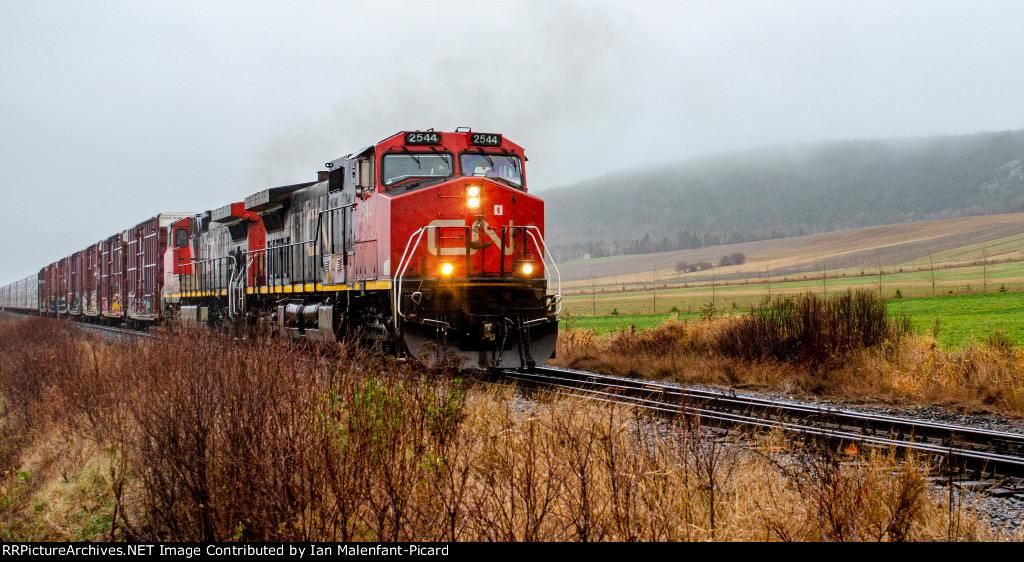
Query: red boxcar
x=42, y=297
x=111, y=282
x=63, y=291
x=76, y=274
x=90, y=284
x=146, y=244
x=47, y=285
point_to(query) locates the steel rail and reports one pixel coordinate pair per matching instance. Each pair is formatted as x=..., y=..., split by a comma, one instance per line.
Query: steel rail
x=751, y=421
x=973, y=449
x=918, y=428
x=90, y=326
x=111, y=330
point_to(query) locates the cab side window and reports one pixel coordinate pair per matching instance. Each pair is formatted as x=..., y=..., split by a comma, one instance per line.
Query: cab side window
x=365, y=173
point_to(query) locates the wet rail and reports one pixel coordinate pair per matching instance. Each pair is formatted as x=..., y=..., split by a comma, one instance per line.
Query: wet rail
x=109, y=331
x=113, y=332
x=969, y=452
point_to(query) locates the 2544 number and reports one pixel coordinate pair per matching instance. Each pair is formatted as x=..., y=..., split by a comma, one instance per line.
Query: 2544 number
x=485, y=139
x=422, y=138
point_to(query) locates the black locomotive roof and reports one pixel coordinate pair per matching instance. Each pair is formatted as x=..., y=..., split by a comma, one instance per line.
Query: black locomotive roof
x=272, y=197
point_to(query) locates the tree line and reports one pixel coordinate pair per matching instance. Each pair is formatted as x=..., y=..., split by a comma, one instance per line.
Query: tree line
x=683, y=240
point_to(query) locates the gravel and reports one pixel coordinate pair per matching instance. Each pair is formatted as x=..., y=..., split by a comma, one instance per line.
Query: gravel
x=1005, y=514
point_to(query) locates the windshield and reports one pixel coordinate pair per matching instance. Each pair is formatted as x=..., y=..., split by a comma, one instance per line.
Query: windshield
x=398, y=167
x=492, y=166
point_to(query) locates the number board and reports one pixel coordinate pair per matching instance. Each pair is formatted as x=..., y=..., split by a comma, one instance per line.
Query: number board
x=423, y=138
x=484, y=139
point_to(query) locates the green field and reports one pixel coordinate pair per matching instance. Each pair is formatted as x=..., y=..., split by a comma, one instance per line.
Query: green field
x=964, y=320
x=910, y=282
x=950, y=294
x=608, y=324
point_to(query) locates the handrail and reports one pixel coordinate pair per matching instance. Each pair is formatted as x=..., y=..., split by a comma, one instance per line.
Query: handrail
x=239, y=275
x=315, y=239
x=209, y=260
x=200, y=263
x=403, y=264
x=310, y=241
x=406, y=260
x=547, y=256
x=236, y=298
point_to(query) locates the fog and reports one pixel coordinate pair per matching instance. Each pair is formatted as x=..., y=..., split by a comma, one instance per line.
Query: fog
x=113, y=111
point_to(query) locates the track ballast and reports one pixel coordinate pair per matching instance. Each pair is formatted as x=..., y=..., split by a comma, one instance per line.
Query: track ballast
x=963, y=451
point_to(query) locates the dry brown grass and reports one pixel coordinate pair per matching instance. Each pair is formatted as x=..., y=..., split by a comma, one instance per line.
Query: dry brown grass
x=263, y=441
x=906, y=370
x=984, y=377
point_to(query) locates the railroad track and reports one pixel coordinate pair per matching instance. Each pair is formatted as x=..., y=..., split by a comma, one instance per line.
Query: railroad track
x=984, y=455
x=110, y=331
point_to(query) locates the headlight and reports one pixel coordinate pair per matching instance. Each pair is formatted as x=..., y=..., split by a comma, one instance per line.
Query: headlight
x=527, y=269
x=473, y=191
x=473, y=202
x=447, y=269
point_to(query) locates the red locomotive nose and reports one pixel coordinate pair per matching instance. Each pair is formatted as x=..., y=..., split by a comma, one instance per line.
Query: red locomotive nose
x=468, y=227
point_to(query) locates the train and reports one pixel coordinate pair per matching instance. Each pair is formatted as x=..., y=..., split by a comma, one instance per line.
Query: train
x=427, y=242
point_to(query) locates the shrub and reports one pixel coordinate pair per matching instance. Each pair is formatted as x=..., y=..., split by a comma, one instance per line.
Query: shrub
x=668, y=338
x=736, y=258
x=811, y=329
x=37, y=353
x=1000, y=341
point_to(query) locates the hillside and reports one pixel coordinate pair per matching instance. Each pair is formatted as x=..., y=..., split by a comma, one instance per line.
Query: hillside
x=948, y=241
x=787, y=191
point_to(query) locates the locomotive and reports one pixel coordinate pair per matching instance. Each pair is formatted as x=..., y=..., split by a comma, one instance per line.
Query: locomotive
x=426, y=241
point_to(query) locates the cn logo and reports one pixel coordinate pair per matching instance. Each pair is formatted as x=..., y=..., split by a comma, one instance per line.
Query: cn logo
x=447, y=229
x=498, y=210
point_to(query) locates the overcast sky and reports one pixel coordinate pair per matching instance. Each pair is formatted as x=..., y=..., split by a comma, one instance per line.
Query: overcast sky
x=113, y=111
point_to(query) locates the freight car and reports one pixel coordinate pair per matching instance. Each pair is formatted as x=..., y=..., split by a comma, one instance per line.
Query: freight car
x=21, y=296
x=116, y=281
x=427, y=241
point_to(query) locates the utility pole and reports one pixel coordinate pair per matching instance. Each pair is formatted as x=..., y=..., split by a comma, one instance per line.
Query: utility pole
x=931, y=264
x=654, y=289
x=712, y=287
x=878, y=263
x=593, y=295
x=824, y=277
x=984, y=269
